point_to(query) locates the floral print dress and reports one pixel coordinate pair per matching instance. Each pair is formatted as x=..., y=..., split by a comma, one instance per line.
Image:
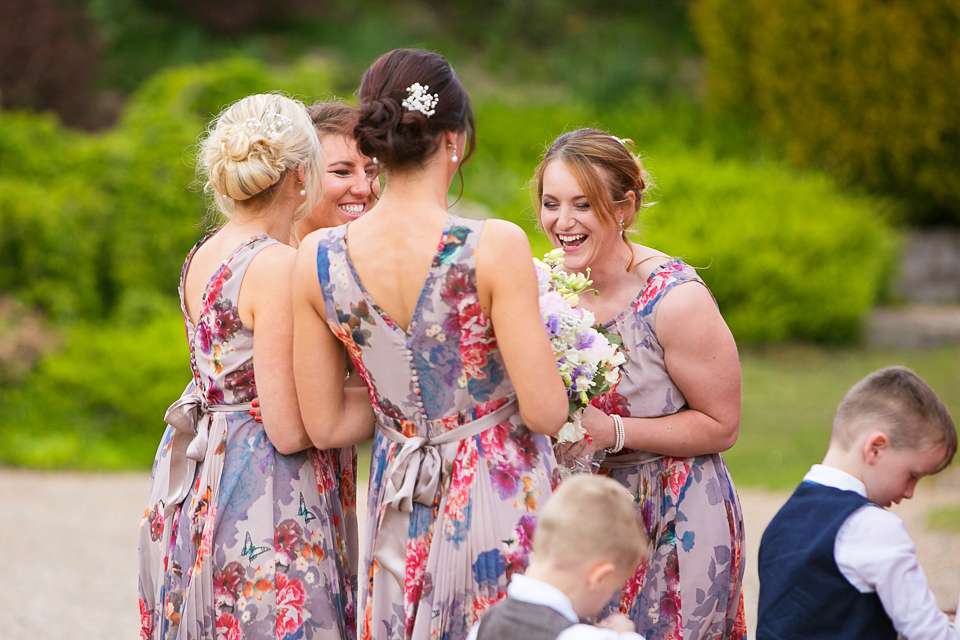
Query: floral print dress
x=690, y=588
x=456, y=479
x=237, y=540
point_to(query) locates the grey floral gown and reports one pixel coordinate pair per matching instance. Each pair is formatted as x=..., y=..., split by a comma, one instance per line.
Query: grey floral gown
x=691, y=587
x=456, y=479
x=238, y=541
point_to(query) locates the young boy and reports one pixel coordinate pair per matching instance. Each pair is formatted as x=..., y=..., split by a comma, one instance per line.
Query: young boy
x=588, y=542
x=834, y=563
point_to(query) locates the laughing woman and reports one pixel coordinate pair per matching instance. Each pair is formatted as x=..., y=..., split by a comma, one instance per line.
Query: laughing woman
x=677, y=405
x=350, y=179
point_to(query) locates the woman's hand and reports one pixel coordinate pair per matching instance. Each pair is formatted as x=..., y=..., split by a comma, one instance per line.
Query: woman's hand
x=600, y=427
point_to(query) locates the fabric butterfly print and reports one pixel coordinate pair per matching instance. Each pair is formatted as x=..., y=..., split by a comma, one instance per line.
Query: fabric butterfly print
x=250, y=550
x=306, y=513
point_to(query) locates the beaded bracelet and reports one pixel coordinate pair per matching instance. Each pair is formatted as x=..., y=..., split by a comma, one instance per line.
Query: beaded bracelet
x=620, y=433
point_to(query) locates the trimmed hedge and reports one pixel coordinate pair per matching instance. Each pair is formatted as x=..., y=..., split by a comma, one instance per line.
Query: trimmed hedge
x=865, y=89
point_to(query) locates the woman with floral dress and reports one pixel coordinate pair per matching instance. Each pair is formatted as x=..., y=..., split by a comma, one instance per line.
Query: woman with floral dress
x=439, y=316
x=677, y=405
x=244, y=531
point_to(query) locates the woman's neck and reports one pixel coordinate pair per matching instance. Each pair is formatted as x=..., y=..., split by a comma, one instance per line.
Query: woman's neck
x=427, y=186
x=610, y=270
x=273, y=217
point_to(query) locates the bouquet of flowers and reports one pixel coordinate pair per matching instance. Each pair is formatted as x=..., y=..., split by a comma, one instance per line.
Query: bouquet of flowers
x=588, y=356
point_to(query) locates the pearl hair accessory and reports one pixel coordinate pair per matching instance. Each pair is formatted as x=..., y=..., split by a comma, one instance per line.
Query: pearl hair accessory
x=419, y=100
x=620, y=140
x=272, y=125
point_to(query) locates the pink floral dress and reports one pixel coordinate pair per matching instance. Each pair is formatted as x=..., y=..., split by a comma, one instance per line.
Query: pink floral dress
x=690, y=588
x=238, y=541
x=456, y=479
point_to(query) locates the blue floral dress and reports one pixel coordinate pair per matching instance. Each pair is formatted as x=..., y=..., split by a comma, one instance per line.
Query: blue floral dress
x=238, y=541
x=456, y=479
x=689, y=506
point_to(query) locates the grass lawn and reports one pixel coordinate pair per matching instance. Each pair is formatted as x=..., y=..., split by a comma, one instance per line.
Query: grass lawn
x=791, y=392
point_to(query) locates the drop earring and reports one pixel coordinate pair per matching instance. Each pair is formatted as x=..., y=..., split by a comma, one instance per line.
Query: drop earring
x=454, y=158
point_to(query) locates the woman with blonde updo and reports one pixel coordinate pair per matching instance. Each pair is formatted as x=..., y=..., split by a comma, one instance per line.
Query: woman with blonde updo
x=677, y=405
x=439, y=316
x=242, y=535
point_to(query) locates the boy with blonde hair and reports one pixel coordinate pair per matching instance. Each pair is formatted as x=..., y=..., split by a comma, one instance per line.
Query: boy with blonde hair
x=588, y=542
x=833, y=562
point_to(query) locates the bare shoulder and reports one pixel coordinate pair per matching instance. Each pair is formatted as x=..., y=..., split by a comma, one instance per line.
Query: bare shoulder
x=274, y=261
x=687, y=298
x=502, y=241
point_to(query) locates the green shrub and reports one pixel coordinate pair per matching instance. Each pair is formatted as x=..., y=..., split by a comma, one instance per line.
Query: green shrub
x=55, y=218
x=99, y=402
x=787, y=255
x=865, y=89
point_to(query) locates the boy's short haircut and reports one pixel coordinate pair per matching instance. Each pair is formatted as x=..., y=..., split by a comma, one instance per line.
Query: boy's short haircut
x=590, y=517
x=898, y=402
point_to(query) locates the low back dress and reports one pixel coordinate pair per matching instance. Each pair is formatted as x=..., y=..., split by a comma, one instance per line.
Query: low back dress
x=456, y=479
x=689, y=506
x=238, y=540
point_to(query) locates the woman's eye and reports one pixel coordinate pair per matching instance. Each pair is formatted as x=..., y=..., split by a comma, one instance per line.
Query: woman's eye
x=549, y=205
x=582, y=206
x=343, y=173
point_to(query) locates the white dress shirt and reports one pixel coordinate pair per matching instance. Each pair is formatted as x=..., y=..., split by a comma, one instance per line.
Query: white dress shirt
x=533, y=591
x=875, y=554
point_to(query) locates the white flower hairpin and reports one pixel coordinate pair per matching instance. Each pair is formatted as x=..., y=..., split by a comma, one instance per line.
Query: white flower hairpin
x=419, y=100
x=272, y=125
x=620, y=140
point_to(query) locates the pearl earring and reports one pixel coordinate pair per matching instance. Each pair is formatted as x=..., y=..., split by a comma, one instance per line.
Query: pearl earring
x=303, y=192
x=454, y=158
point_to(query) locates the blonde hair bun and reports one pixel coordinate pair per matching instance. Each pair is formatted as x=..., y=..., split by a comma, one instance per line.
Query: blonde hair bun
x=253, y=143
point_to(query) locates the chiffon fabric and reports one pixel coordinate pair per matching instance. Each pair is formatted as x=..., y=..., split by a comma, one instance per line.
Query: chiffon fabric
x=237, y=540
x=456, y=479
x=691, y=587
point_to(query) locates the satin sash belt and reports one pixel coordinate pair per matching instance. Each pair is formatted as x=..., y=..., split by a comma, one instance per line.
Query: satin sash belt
x=414, y=476
x=414, y=473
x=631, y=459
x=190, y=417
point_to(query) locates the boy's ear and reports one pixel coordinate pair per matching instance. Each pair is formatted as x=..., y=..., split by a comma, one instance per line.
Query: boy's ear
x=874, y=445
x=599, y=571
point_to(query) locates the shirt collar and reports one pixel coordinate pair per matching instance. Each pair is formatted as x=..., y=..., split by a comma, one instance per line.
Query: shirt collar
x=536, y=592
x=833, y=477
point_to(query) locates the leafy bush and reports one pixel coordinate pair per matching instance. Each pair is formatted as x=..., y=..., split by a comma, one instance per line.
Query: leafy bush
x=99, y=402
x=862, y=88
x=55, y=217
x=787, y=255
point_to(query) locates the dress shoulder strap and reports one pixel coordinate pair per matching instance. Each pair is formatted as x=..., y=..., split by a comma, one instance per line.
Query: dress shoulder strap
x=663, y=279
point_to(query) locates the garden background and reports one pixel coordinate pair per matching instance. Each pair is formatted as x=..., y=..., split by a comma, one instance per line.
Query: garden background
x=794, y=143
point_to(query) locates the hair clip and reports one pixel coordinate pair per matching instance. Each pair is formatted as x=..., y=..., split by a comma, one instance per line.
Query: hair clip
x=272, y=125
x=419, y=100
x=622, y=142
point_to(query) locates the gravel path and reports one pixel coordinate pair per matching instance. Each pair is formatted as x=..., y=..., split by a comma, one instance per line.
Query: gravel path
x=69, y=557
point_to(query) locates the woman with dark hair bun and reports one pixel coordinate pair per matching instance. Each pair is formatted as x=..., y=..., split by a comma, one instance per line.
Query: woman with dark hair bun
x=439, y=317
